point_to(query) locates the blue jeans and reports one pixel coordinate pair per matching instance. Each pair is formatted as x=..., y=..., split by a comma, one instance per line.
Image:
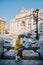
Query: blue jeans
x=22, y=48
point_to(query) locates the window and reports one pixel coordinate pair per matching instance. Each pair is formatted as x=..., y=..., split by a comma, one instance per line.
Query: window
x=29, y=24
x=0, y=32
x=34, y=23
x=23, y=23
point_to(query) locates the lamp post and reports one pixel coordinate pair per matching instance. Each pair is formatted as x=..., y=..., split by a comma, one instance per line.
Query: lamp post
x=35, y=14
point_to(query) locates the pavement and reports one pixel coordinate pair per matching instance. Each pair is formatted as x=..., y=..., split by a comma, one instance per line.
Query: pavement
x=23, y=62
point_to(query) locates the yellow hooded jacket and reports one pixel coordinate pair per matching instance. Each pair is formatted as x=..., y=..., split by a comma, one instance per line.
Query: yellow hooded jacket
x=18, y=44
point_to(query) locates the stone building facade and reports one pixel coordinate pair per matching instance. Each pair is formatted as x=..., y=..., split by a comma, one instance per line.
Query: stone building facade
x=2, y=26
x=24, y=22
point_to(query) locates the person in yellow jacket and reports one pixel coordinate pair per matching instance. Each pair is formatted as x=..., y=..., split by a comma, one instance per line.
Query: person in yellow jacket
x=17, y=47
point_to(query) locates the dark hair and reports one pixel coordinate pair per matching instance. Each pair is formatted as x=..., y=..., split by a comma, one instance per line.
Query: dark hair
x=23, y=41
x=19, y=37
